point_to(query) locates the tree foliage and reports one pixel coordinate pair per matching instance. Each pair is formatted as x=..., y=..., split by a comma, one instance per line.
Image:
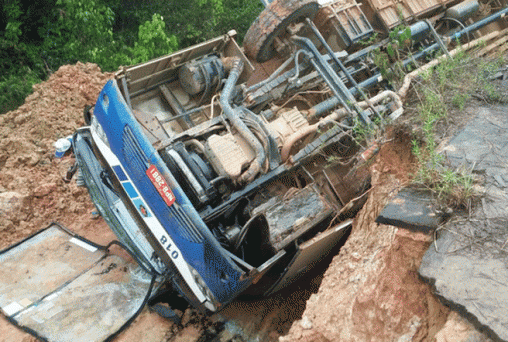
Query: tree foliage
x=153, y=40
x=13, y=13
x=36, y=38
x=79, y=30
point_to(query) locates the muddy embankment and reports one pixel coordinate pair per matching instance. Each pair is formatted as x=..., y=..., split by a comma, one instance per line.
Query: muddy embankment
x=371, y=291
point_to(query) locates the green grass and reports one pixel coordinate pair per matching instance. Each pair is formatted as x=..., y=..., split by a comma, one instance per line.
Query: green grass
x=443, y=90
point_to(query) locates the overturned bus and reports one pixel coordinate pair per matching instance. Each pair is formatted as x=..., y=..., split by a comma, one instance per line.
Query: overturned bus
x=229, y=169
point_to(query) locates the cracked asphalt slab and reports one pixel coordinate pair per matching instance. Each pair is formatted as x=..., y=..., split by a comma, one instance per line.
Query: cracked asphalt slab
x=467, y=264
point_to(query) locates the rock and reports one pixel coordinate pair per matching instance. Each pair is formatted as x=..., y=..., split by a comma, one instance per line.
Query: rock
x=21, y=119
x=470, y=277
x=10, y=202
x=6, y=225
x=44, y=189
x=306, y=323
x=187, y=316
x=189, y=334
x=481, y=145
x=413, y=326
x=411, y=209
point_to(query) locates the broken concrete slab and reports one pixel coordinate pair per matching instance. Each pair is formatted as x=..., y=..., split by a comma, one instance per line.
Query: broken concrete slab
x=469, y=278
x=467, y=264
x=411, y=209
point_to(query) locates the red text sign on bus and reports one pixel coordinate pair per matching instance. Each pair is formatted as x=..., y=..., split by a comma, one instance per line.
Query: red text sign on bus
x=160, y=184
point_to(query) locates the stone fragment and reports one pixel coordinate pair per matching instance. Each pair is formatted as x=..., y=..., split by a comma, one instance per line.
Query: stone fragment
x=457, y=329
x=306, y=323
x=10, y=202
x=411, y=209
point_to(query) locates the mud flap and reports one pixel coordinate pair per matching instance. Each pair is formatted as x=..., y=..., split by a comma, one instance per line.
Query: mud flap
x=60, y=287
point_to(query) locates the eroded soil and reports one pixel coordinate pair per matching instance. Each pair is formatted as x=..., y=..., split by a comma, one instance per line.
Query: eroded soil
x=31, y=178
x=371, y=291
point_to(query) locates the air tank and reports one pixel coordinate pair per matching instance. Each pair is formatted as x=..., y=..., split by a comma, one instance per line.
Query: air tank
x=419, y=31
x=199, y=75
x=463, y=10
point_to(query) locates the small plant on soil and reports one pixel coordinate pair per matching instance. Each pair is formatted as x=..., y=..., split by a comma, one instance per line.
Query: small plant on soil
x=365, y=134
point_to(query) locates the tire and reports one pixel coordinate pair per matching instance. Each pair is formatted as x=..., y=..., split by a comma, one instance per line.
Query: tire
x=272, y=22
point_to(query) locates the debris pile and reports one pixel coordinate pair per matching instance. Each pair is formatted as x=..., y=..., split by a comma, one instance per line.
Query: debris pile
x=372, y=290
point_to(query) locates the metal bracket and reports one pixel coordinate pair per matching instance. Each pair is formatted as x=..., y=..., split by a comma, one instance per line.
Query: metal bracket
x=438, y=38
x=331, y=78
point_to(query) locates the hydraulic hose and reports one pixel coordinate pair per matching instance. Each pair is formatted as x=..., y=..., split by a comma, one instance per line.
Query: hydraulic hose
x=233, y=117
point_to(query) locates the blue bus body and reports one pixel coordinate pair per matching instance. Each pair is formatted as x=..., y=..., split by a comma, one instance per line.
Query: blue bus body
x=227, y=174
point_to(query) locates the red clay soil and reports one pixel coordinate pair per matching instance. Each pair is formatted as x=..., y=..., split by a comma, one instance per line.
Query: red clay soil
x=29, y=170
x=32, y=192
x=371, y=291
